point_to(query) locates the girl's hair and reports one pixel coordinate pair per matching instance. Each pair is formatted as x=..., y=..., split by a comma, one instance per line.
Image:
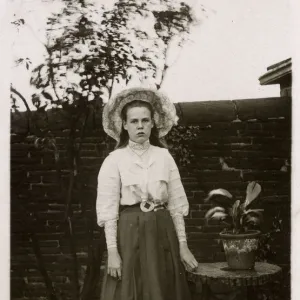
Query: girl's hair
x=124, y=137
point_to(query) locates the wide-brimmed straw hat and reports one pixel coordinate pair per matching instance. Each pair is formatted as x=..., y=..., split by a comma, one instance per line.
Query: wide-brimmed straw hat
x=164, y=110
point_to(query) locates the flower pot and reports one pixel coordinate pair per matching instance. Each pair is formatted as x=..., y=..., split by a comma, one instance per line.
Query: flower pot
x=240, y=249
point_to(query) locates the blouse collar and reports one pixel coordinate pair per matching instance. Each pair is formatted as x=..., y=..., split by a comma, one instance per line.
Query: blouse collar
x=139, y=147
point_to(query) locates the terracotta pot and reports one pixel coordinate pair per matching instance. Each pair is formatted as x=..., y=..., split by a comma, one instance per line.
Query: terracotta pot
x=240, y=249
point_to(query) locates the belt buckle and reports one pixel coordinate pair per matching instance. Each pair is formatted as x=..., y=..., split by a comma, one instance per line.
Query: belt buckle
x=147, y=206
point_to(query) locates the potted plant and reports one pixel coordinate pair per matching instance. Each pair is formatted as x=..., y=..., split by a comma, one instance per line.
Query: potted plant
x=240, y=236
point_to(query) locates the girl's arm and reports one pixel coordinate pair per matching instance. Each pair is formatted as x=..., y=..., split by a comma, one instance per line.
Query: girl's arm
x=179, y=207
x=108, y=199
x=107, y=208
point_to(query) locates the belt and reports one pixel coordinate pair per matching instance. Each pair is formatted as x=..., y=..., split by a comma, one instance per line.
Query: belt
x=145, y=206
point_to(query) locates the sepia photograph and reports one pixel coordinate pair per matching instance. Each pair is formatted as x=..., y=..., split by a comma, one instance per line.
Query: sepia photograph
x=150, y=149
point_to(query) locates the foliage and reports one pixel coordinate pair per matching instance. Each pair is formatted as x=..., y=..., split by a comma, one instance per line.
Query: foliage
x=180, y=141
x=237, y=215
x=24, y=61
x=266, y=251
x=91, y=49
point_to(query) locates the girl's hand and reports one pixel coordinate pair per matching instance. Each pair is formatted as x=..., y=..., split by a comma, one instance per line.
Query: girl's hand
x=187, y=257
x=114, y=266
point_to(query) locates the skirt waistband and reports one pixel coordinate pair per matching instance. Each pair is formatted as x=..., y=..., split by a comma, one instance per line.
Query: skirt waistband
x=138, y=205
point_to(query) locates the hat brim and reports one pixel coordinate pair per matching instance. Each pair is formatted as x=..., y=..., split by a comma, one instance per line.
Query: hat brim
x=164, y=110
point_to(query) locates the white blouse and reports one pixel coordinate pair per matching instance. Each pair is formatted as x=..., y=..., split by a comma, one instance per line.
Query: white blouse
x=126, y=178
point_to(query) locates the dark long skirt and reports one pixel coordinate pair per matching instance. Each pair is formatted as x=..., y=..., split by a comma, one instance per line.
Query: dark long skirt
x=151, y=265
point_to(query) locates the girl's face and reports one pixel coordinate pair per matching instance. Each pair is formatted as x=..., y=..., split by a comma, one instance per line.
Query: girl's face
x=138, y=124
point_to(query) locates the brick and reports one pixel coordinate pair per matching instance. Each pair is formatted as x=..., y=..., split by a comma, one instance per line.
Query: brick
x=283, y=125
x=16, y=291
x=50, y=178
x=226, y=148
x=51, y=215
x=274, y=176
x=32, y=178
x=92, y=161
x=213, y=222
x=17, y=176
x=197, y=214
x=213, y=228
x=195, y=207
x=50, y=250
x=40, y=167
x=22, y=146
x=202, y=240
x=44, y=187
x=86, y=146
x=197, y=199
x=206, y=253
x=37, y=290
x=214, y=135
x=35, y=153
x=56, y=259
x=230, y=186
x=229, y=125
x=225, y=139
x=219, y=257
x=15, y=138
x=254, y=126
x=256, y=163
x=93, y=140
x=24, y=161
x=264, y=134
x=18, y=153
x=49, y=243
x=194, y=222
x=90, y=153
x=276, y=199
x=91, y=169
x=61, y=141
x=216, y=176
x=190, y=184
x=259, y=153
x=50, y=236
x=268, y=139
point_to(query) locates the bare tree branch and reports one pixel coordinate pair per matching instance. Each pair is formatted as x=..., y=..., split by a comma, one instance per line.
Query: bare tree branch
x=21, y=97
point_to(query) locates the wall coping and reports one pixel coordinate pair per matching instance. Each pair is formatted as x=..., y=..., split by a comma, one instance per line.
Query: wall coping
x=190, y=113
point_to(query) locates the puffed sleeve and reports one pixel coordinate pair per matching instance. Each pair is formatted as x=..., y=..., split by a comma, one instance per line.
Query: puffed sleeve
x=108, y=191
x=177, y=202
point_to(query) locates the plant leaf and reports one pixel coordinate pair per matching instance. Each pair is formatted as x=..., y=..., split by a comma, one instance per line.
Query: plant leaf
x=219, y=216
x=253, y=190
x=252, y=220
x=253, y=217
x=235, y=208
x=213, y=210
x=235, y=214
x=221, y=192
x=254, y=210
x=220, y=197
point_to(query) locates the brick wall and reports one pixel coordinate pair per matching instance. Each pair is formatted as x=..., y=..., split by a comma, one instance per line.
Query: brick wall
x=238, y=141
